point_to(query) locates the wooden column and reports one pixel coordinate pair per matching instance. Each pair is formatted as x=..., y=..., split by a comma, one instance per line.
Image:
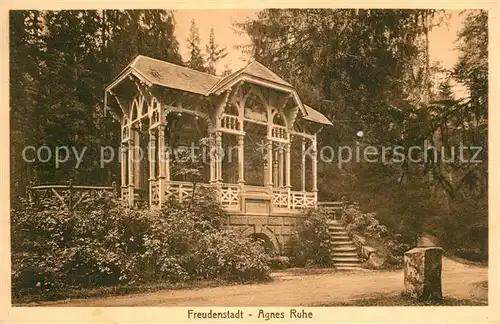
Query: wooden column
x=287, y=171
x=303, y=166
x=152, y=163
x=266, y=173
x=162, y=166
x=137, y=159
x=314, y=170
x=314, y=165
x=241, y=159
x=131, y=172
x=270, y=163
x=218, y=144
x=213, y=159
x=275, y=170
x=123, y=165
x=280, y=168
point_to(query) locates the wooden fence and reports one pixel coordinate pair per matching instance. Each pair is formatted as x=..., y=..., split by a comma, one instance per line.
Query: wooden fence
x=69, y=195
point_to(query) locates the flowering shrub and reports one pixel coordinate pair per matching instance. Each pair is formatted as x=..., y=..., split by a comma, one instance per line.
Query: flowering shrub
x=107, y=244
x=311, y=245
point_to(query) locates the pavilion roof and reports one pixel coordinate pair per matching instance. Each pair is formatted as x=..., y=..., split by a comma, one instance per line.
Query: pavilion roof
x=174, y=76
x=315, y=116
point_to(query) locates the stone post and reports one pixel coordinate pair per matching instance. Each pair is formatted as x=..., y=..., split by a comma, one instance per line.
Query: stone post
x=422, y=273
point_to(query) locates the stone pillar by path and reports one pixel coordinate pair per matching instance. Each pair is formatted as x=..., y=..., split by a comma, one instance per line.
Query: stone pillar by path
x=422, y=273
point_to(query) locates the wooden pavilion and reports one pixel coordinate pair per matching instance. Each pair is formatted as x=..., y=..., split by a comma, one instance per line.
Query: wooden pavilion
x=267, y=136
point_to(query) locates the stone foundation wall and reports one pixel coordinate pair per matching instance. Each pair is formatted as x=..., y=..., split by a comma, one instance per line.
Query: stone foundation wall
x=278, y=228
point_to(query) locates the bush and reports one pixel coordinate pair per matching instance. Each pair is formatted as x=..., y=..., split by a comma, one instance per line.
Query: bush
x=311, y=245
x=463, y=231
x=279, y=262
x=188, y=241
x=107, y=244
x=366, y=230
x=56, y=248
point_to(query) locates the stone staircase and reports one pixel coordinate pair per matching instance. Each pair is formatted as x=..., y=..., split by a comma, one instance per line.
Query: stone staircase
x=344, y=252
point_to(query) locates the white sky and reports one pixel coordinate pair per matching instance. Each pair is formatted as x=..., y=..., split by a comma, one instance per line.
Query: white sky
x=441, y=39
x=222, y=21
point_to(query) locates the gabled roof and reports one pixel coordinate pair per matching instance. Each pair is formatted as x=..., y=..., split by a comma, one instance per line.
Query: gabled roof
x=174, y=76
x=315, y=116
x=255, y=69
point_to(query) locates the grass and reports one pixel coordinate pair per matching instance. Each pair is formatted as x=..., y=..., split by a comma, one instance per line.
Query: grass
x=34, y=296
x=402, y=300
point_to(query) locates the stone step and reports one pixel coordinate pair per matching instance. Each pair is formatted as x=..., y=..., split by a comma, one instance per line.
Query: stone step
x=335, y=224
x=347, y=268
x=341, y=254
x=346, y=259
x=344, y=248
x=337, y=234
x=334, y=230
x=346, y=242
x=347, y=264
x=340, y=237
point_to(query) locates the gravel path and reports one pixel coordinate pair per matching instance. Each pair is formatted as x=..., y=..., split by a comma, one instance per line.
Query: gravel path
x=459, y=281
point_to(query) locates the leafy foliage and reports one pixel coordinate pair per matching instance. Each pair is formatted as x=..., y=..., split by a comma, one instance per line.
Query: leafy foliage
x=109, y=245
x=370, y=70
x=369, y=231
x=60, y=63
x=311, y=245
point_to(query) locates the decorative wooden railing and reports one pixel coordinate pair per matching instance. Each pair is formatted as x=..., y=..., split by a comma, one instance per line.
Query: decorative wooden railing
x=338, y=207
x=279, y=132
x=333, y=205
x=229, y=195
x=155, y=193
x=302, y=199
x=230, y=122
x=179, y=190
x=69, y=195
x=124, y=192
x=280, y=197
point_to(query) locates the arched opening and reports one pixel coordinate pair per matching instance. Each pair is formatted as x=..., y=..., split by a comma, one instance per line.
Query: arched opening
x=186, y=138
x=135, y=110
x=255, y=108
x=279, y=120
x=232, y=109
x=230, y=159
x=254, y=151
